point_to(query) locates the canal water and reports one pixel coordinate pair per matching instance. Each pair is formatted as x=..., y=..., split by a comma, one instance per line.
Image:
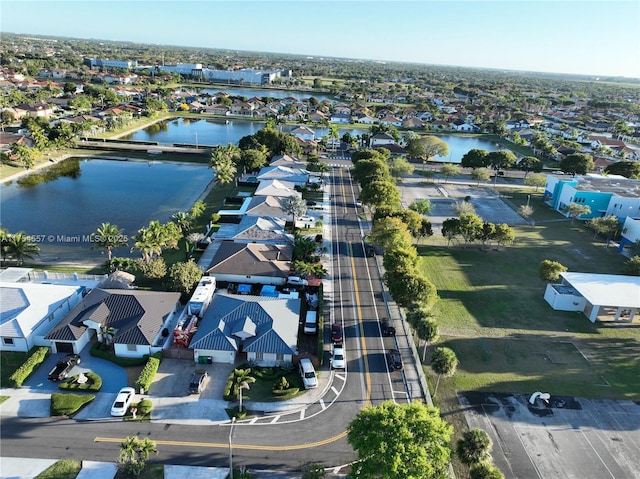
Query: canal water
x=61, y=213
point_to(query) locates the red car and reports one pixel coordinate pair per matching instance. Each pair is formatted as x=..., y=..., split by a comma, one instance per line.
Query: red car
x=336, y=333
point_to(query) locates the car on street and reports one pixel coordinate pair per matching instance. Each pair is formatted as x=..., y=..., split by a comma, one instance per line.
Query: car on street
x=123, y=401
x=394, y=360
x=311, y=203
x=63, y=367
x=387, y=328
x=308, y=373
x=336, y=333
x=198, y=381
x=338, y=360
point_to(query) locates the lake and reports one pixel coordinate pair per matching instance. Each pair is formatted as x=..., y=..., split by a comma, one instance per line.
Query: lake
x=61, y=213
x=211, y=132
x=250, y=93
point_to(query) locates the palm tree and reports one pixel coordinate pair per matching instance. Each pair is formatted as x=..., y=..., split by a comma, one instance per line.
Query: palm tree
x=109, y=236
x=21, y=247
x=134, y=453
x=4, y=242
x=183, y=220
x=107, y=334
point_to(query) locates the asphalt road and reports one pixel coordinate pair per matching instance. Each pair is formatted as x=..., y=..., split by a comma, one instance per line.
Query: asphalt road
x=316, y=434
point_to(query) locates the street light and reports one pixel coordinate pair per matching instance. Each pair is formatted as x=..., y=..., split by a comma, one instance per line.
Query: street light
x=241, y=386
x=233, y=421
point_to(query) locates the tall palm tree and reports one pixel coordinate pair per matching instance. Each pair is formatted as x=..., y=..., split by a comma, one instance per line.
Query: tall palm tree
x=183, y=220
x=107, y=334
x=109, y=236
x=21, y=247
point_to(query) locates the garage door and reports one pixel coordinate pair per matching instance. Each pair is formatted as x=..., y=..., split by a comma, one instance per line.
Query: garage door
x=64, y=347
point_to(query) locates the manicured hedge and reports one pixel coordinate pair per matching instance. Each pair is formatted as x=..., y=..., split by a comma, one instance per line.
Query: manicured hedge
x=31, y=364
x=94, y=383
x=67, y=404
x=144, y=407
x=148, y=372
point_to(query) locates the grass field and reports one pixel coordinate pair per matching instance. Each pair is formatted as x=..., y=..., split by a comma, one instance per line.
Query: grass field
x=507, y=338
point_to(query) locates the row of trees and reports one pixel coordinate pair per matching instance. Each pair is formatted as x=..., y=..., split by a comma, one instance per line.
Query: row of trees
x=471, y=228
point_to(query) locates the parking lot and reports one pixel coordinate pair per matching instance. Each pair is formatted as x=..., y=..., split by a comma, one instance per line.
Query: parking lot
x=569, y=437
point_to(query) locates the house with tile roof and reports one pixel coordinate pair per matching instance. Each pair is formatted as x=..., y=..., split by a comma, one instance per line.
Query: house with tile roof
x=252, y=229
x=137, y=317
x=252, y=263
x=28, y=311
x=297, y=176
x=265, y=329
x=276, y=188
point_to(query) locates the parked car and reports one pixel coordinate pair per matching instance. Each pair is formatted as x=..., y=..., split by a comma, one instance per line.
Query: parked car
x=308, y=374
x=338, y=360
x=198, y=380
x=297, y=281
x=123, y=401
x=336, y=333
x=387, y=328
x=64, y=367
x=370, y=250
x=311, y=203
x=394, y=360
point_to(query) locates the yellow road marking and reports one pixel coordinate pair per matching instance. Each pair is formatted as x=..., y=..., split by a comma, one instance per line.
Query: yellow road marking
x=219, y=445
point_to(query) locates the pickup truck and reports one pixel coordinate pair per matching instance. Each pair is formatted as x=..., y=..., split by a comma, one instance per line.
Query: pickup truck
x=64, y=367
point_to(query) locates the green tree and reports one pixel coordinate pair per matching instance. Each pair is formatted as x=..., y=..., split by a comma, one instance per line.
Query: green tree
x=252, y=159
x=400, y=441
x=425, y=326
x=183, y=277
x=24, y=155
x=155, y=238
x=501, y=160
x=576, y=209
x=504, y=234
x=380, y=193
x=444, y=362
x=628, y=169
x=422, y=206
x=475, y=158
x=108, y=237
x=295, y=206
x=474, y=447
x=371, y=169
x=409, y=288
x=530, y=164
x=550, y=270
x=134, y=454
x=449, y=170
x=632, y=267
x=183, y=220
x=485, y=471
x=426, y=147
x=20, y=246
x=155, y=268
x=577, y=164
x=605, y=225
x=481, y=174
x=536, y=180
x=399, y=166
x=450, y=229
x=470, y=227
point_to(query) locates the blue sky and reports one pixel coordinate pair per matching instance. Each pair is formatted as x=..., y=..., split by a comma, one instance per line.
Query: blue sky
x=565, y=36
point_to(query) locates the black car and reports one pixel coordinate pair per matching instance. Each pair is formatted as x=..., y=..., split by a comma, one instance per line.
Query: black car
x=64, y=367
x=394, y=360
x=387, y=328
x=198, y=378
x=311, y=203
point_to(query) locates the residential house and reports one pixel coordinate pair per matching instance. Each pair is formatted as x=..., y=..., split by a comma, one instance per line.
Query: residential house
x=297, y=176
x=381, y=139
x=340, y=118
x=276, y=188
x=28, y=311
x=39, y=109
x=288, y=161
x=366, y=120
x=255, y=229
x=461, y=125
x=137, y=317
x=265, y=329
x=413, y=123
x=317, y=116
x=391, y=120
x=242, y=108
x=8, y=139
x=253, y=263
x=342, y=108
x=304, y=133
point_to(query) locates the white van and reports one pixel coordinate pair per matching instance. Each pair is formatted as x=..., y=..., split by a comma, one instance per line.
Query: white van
x=311, y=322
x=308, y=374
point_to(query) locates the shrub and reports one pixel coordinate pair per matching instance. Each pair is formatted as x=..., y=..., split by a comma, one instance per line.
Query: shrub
x=144, y=407
x=485, y=471
x=229, y=392
x=281, y=385
x=148, y=372
x=67, y=404
x=474, y=447
x=93, y=383
x=31, y=364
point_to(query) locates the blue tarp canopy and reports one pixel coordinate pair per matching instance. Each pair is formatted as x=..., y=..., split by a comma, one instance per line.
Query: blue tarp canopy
x=269, y=290
x=244, y=288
